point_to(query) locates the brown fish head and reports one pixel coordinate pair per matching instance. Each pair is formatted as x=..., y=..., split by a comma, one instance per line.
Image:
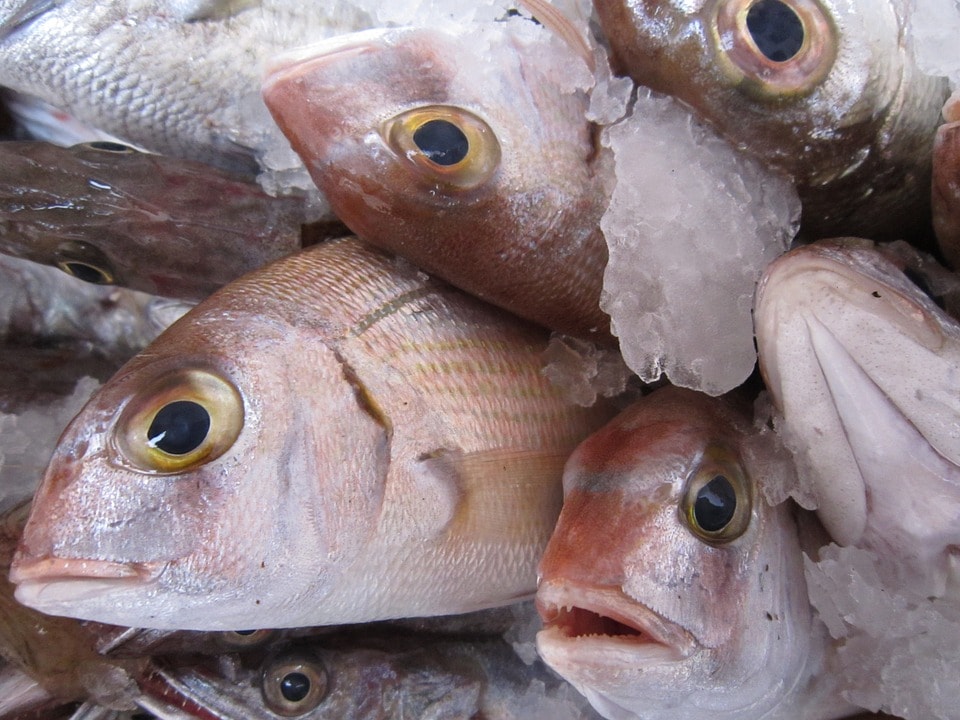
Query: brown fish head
x=467, y=154
x=668, y=580
x=186, y=491
x=822, y=89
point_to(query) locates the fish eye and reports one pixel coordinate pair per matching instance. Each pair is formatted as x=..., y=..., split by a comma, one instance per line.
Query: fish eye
x=179, y=422
x=717, y=501
x=110, y=147
x=774, y=49
x=246, y=638
x=293, y=685
x=446, y=145
x=84, y=262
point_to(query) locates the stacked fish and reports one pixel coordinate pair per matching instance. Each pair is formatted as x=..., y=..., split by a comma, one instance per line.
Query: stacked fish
x=366, y=417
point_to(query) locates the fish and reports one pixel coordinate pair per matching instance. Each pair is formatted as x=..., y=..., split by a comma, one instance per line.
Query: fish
x=374, y=676
x=109, y=65
x=945, y=186
x=670, y=587
x=334, y=438
x=109, y=214
x=466, y=151
x=824, y=90
x=862, y=365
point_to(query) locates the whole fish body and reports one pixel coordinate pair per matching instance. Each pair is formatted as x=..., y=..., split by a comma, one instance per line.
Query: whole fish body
x=349, y=440
x=178, y=78
x=503, y=195
x=671, y=588
x=863, y=365
x=113, y=215
x=845, y=111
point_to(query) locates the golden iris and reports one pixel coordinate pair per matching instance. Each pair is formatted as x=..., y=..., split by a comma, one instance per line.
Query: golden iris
x=84, y=262
x=717, y=502
x=446, y=145
x=180, y=421
x=293, y=685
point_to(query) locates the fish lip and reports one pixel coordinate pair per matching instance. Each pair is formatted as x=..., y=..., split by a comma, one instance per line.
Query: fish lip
x=295, y=62
x=53, y=569
x=668, y=640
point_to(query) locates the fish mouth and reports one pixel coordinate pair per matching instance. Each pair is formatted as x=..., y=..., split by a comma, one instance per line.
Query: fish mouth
x=602, y=625
x=56, y=583
x=298, y=61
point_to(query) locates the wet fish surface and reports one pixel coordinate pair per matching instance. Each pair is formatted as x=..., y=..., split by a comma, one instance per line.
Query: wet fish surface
x=109, y=214
x=467, y=152
x=670, y=587
x=822, y=89
x=863, y=365
x=335, y=438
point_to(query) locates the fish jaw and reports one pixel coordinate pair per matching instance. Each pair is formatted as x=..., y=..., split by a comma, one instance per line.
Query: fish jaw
x=841, y=302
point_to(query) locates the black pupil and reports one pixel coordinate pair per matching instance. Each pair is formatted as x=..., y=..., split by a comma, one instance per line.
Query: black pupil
x=179, y=427
x=294, y=686
x=109, y=146
x=715, y=505
x=442, y=142
x=85, y=272
x=776, y=29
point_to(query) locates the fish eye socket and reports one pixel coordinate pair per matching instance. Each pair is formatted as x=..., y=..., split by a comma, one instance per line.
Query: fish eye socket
x=446, y=146
x=179, y=422
x=293, y=685
x=717, y=503
x=774, y=49
x=84, y=262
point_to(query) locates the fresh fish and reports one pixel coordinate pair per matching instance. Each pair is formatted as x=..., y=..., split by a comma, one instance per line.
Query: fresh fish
x=671, y=588
x=368, y=677
x=822, y=89
x=467, y=152
x=863, y=366
x=178, y=77
x=106, y=213
x=945, y=195
x=334, y=438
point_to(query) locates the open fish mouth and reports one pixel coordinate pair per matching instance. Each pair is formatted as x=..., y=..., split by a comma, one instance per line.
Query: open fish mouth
x=602, y=625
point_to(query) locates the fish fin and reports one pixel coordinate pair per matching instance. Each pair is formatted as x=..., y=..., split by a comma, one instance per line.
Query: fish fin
x=502, y=494
x=555, y=21
x=25, y=14
x=201, y=10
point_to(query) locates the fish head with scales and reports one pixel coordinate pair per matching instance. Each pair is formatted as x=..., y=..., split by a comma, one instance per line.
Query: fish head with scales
x=141, y=516
x=669, y=582
x=468, y=153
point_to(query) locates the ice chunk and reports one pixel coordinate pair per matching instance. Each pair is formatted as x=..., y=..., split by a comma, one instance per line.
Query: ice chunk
x=690, y=227
x=584, y=371
x=933, y=27
x=897, y=650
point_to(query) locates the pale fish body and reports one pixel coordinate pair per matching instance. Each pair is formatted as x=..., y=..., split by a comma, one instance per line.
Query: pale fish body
x=349, y=440
x=109, y=214
x=178, y=78
x=822, y=89
x=466, y=151
x=864, y=367
x=670, y=588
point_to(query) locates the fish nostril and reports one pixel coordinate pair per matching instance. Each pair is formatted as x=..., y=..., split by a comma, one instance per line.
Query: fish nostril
x=776, y=29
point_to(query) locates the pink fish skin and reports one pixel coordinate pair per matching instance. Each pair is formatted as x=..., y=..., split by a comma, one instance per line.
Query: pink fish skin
x=514, y=220
x=334, y=438
x=656, y=606
x=112, y=215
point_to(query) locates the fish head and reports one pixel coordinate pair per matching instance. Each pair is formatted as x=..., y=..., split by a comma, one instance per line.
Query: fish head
x=669, y=582
x=469, y=154
x=861, y=363
x=191, y=490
